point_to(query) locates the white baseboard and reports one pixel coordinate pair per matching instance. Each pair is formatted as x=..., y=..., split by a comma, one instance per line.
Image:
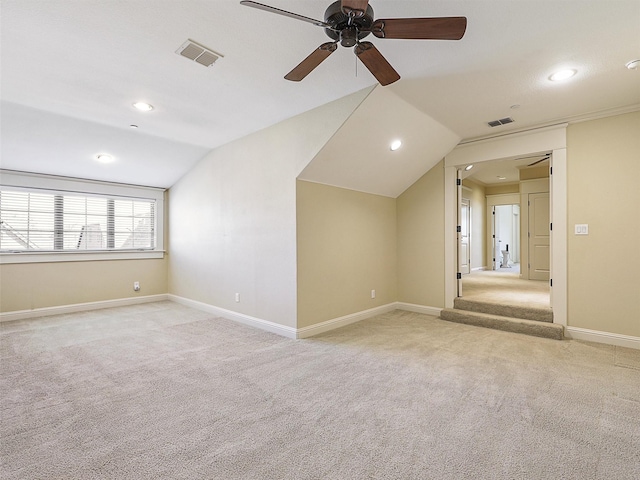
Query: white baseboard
x=411, y=307
x=79, y=307
x=334, y=323
x=587, y=335
x=272, y=327
x=290, y=332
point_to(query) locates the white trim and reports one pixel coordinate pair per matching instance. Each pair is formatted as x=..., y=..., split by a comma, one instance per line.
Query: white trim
x=334, y=323
x=411, y=307
x=266, y=325
x=587, y=335
x=450, y=236
x=62, y=256
x=53, y=182
x=79, y=307
x=559, y=268
x=509, y=145
x=575, y=333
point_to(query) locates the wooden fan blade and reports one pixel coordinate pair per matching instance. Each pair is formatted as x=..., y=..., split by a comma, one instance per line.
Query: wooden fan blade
x=376, y=63
x=437, y=28
x=267, y=8
x=358, y=7
x=311, y=62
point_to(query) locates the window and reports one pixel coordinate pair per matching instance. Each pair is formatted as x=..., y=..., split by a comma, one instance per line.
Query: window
x=38, y=216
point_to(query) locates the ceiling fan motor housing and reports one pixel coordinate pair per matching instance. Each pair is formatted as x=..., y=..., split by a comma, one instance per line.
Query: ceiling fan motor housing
x=347, y=33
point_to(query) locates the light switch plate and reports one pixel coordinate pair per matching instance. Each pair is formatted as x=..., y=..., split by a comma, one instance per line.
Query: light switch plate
x=582, y=229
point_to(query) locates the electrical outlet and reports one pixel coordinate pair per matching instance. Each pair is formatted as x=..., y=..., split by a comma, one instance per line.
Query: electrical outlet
x=238, y=297
x=373, y=294
x=136, y=286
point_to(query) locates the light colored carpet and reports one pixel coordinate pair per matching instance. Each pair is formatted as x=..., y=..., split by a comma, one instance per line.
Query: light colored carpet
x=505, y=287
x=160, y=391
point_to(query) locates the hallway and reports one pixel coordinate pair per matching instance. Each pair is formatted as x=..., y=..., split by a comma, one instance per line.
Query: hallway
x=505, y=287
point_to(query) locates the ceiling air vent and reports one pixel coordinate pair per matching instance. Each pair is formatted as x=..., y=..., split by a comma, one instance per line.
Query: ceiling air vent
x=502, y=121
x=198, y=53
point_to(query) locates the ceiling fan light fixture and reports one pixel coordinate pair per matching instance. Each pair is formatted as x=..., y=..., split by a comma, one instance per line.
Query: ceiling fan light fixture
x=349, y=21
x=143, y=106
x=562, y=75
x=395, y=145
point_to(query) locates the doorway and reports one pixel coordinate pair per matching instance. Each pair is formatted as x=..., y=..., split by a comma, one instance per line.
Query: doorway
x=505, y=236
x=551, y=139
x=516, y=241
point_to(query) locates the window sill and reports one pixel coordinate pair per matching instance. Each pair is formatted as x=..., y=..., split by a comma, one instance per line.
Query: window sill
x=51, y=257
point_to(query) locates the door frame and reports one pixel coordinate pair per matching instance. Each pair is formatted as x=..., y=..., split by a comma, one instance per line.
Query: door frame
x=547, y=139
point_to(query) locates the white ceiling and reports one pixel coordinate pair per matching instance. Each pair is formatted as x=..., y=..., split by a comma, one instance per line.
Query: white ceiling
x=72, y=68
x=359, y=157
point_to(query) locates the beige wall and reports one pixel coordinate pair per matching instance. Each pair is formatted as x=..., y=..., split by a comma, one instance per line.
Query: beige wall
x=233, y=217
x=420, y=211
x=534, y=172
x=27, y=286
x=603, y=162
x=346, y=248
x=502, y=189
x=476, y=195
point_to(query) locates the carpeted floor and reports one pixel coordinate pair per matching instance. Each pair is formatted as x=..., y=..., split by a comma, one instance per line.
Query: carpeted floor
x=505, y=286
x=161, y=391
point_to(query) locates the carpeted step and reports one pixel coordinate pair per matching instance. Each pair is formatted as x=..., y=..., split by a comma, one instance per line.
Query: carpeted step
x=508, y=324
x=527, y=313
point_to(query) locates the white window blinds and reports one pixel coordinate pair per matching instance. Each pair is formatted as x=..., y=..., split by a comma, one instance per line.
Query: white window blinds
x=32, y=220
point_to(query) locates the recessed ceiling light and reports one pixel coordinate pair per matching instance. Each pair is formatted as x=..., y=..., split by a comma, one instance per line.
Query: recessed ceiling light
x=395, y=145
x=468, y=167
x=501, y=178
x=104, y=158
x=133, y=126
x=562, y=75
x=632, y=65
x=143, y=107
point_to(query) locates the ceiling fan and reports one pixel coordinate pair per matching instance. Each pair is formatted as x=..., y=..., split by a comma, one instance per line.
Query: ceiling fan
x=348, y=21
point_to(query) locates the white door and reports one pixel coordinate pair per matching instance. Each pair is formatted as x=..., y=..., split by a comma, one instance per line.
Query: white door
x=465, y=229
x=539, y=246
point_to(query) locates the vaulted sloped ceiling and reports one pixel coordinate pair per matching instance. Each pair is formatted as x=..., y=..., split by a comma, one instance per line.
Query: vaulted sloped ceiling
x=358, y=156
